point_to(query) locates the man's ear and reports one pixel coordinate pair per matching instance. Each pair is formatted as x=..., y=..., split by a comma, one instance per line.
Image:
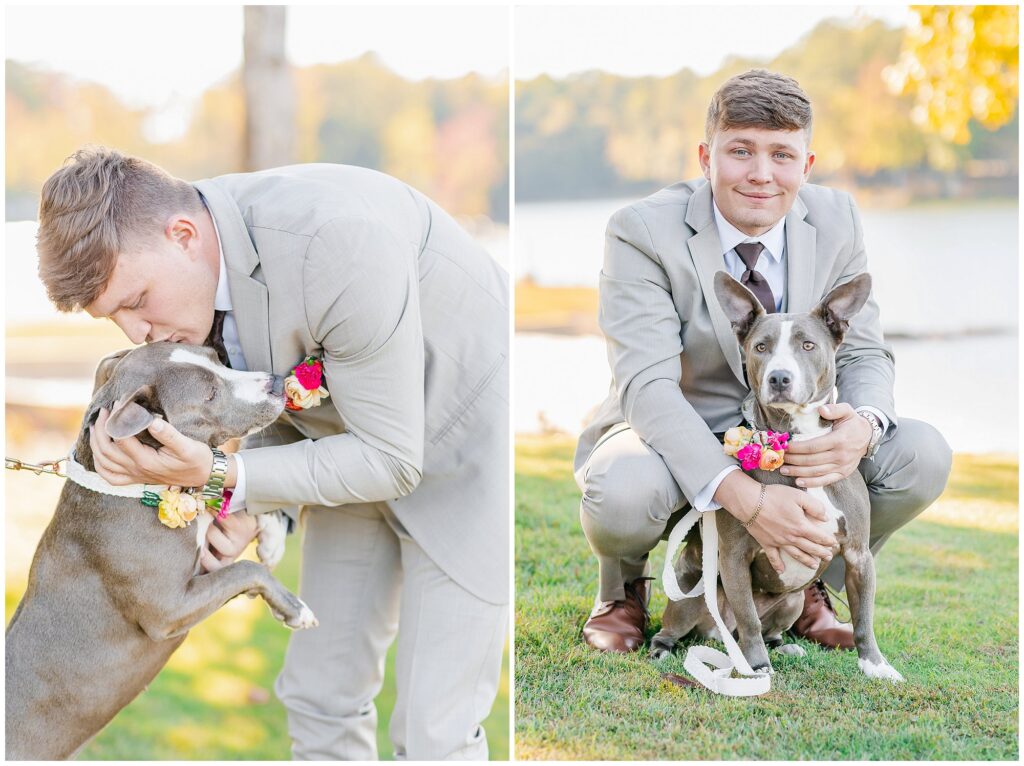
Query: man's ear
x=106, y=368
x=739, y=304
x=133, y=414
x=842, y=304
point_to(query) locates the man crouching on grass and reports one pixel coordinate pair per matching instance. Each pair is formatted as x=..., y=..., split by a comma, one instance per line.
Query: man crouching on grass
x=401, y=470
x=654, y=450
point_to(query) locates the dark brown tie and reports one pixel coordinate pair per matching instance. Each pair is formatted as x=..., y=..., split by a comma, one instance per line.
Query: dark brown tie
x=216, y=339
x=754, y=280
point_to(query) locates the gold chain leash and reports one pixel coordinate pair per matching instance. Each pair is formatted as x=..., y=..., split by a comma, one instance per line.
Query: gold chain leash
x=52, y=467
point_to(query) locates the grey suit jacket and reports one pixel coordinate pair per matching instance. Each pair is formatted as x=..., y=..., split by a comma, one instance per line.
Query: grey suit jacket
x=410, y=317
x=677, y=376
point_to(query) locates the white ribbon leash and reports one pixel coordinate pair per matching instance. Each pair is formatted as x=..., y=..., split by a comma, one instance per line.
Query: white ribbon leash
x=710, y=667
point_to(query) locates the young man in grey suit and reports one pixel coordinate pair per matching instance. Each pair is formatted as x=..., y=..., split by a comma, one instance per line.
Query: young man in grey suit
x=402, y=473
x=653, y=450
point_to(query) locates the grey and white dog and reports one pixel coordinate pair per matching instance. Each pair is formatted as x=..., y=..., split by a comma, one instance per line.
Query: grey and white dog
x=112, y=592
x=791, y=370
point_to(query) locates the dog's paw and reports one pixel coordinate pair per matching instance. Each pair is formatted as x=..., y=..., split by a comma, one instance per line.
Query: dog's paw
x=273, y=530
x=660, y=652
x=791, y=650
x=880, y=670
x=304, y=619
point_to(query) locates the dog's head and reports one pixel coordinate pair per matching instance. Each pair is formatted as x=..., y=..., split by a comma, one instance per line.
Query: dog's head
x=188, y=387
x=791, y=358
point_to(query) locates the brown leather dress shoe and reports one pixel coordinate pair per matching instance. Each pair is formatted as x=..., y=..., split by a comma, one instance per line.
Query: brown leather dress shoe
x=818, y=622
x=618, y=626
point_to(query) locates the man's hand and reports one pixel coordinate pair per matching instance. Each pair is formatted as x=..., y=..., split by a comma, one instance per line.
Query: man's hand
x=180, y=461
x=834, y=456
x=790, y=520
x=226, y=539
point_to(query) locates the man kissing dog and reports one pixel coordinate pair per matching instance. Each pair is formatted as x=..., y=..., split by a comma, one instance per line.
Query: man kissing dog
x=390, y=328
x=653, y=450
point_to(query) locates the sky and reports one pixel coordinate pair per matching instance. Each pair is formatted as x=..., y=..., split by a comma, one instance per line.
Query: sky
x=159, y=55
x=165, y=56
x=660, y=40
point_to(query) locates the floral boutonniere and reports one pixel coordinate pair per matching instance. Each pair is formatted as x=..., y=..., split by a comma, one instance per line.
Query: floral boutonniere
x=303, y=387
x=756, y=449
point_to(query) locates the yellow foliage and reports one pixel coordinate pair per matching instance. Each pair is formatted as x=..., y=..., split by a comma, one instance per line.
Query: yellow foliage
x=960, y=62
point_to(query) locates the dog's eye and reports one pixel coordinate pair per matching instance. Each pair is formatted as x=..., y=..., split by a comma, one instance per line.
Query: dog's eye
x=761, y=348
x=212, y=395
x=808, y=346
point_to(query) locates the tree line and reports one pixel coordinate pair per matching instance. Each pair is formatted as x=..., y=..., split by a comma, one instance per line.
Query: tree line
x=448, y=138
x=599, y=134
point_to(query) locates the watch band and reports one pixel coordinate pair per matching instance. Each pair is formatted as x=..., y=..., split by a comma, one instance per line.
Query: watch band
x=213, y=491
x=876, y=433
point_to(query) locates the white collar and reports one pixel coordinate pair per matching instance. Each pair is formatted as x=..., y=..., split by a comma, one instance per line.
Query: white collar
x=774, y=240
x=222, y=298
x=91, y=480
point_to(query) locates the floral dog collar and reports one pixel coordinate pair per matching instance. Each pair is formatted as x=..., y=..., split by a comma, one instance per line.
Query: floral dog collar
x=303, y=387
x=756, y=449
x=178, y=508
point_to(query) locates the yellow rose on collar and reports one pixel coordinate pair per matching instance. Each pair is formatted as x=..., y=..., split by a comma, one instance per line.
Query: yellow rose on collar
x=736, y=438
x=177, y=509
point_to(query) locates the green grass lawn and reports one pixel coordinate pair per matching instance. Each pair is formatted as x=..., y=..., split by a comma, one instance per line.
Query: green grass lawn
x=946, y=618
x=214, y=700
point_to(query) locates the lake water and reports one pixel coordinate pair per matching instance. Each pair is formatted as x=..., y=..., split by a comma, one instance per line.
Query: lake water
x=946, y=278
x=965, y=387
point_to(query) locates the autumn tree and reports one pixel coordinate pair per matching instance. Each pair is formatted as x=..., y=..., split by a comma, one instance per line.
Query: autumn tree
x=960, y=62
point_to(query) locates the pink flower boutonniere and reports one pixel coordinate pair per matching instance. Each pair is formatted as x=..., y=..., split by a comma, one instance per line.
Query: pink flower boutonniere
x=756, y=449
x=303, y=388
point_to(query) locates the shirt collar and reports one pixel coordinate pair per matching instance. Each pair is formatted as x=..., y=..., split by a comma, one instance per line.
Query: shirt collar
x=222, y=298
x=774, y=240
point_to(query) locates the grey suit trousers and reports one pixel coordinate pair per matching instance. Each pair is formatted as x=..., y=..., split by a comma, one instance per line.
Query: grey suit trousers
x=365, y=579
x=630, y=500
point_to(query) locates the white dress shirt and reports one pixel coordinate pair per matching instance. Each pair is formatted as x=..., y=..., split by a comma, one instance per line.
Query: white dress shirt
x=771, y=264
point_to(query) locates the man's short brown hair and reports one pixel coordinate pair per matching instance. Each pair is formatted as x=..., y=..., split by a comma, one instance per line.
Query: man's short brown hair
x=98, y=205
x=759, y=99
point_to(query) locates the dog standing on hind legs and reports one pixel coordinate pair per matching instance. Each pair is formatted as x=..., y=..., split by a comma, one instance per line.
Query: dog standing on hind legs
x=112, y=592
x=790, y=361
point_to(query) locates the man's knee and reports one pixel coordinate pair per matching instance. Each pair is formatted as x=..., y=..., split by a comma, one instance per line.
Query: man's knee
x=628, y=496
x=917, y=466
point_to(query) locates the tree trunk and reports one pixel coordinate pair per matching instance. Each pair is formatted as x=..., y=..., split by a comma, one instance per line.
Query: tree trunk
x=269, y=92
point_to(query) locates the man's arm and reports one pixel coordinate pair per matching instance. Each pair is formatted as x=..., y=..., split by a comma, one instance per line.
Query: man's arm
x=274, y=435
x=642, y=328
x=361, y=295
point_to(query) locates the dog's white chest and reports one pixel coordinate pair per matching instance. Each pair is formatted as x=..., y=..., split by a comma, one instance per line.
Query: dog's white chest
x=203, y=521
x=834, y=514
x=797, y=574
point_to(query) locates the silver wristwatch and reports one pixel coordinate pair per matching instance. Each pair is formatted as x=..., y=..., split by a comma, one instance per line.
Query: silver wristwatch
x=214, y=489
x=876, y=433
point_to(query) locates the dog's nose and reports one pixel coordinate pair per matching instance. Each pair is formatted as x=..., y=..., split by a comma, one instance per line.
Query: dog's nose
x=276, y=385
x=780, y=380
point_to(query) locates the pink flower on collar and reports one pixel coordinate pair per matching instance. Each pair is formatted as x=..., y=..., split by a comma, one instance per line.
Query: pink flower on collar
x=750, y=456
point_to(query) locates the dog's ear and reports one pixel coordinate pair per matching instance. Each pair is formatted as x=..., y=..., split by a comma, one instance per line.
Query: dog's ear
x=842, y=304
x=106, y=368
x=133, y=414
x=739, y=304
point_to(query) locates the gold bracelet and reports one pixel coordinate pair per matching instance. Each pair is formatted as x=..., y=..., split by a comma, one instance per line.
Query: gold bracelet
x=760, y=504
